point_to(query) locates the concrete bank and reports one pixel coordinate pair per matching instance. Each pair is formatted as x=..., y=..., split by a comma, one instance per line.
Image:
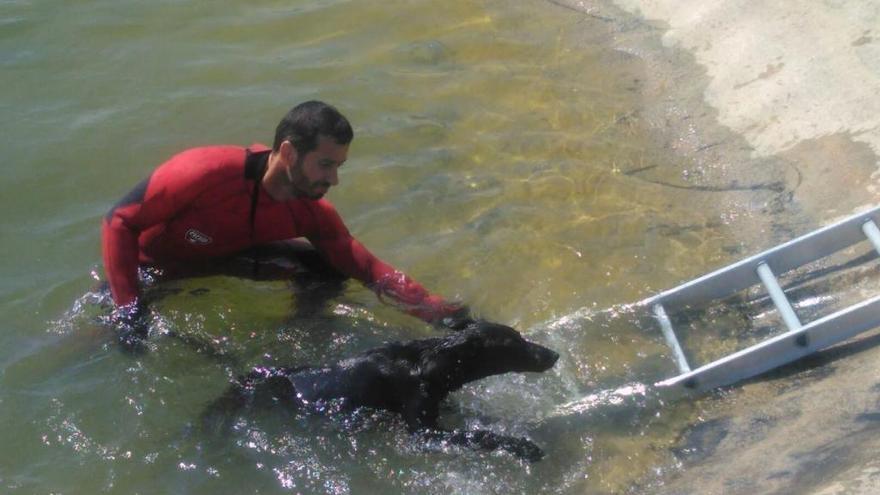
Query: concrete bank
x=784, y=93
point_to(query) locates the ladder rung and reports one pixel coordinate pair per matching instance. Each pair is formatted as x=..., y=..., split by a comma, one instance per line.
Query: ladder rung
x=870, y=229
x=671, y=339
x=785, y=310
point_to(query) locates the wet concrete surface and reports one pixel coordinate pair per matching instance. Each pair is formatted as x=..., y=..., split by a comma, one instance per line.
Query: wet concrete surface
x=774, y=109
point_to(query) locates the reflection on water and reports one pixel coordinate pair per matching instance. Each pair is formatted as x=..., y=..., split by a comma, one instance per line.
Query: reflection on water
x=497, y=159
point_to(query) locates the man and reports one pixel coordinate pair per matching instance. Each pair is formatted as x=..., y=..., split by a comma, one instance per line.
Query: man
x=210, y=203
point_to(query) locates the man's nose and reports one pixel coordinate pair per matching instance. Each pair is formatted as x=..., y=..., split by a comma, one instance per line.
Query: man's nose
x=333, y=176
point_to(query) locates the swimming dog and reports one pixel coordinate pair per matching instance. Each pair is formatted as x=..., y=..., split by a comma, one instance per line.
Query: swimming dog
x=409, y=378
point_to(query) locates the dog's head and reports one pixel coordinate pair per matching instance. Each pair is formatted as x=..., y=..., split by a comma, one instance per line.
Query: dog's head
x=484, y=349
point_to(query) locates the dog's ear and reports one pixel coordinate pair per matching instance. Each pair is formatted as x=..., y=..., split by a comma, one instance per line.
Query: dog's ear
x=455, y=359
x=438, y=369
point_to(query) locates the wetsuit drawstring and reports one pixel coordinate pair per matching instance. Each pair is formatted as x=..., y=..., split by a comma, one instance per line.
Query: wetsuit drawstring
x=255, y=167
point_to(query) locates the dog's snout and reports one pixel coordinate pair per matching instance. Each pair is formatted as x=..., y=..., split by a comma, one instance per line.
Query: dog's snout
x=545, y=358
x=552, y=356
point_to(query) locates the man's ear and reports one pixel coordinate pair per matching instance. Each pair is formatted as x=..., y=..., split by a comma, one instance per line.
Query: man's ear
x=288, y=152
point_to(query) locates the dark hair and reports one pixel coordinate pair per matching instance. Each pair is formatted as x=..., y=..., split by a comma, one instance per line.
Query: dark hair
x=305, y=122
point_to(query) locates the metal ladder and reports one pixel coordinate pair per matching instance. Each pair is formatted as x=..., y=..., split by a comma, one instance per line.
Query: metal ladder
x=800, y=339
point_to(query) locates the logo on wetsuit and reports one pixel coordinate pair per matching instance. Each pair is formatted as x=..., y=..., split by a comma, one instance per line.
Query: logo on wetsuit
x=193, y=236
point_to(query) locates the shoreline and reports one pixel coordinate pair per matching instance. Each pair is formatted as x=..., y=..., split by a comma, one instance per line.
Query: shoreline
x=763, y=136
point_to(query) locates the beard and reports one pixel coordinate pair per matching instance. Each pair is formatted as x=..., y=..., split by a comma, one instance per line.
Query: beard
x=316, y=194
x=300, y=185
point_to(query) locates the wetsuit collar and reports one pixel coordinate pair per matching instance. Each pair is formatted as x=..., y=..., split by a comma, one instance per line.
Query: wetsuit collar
x=255, y=163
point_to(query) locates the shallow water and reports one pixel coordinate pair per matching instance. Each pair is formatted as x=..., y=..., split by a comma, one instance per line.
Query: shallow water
x=494, y=161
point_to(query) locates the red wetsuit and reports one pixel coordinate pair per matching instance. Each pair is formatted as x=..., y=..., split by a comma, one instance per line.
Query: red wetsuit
x=203, y=204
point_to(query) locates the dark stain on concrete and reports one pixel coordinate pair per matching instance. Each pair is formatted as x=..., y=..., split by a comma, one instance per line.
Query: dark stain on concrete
x=700, y=440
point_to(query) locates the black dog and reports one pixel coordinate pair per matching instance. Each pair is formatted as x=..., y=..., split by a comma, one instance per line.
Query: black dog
x=409, y=378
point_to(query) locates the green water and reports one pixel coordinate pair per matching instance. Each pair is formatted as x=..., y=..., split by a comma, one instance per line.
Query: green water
x=491, y=162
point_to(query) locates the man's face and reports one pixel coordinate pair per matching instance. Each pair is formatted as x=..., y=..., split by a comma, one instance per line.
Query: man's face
x=311, y=175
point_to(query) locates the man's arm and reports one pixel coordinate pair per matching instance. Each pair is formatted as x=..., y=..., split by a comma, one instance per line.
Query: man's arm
x=171, y=188
x=349, y=256
x=119, y=242
x=353, y=258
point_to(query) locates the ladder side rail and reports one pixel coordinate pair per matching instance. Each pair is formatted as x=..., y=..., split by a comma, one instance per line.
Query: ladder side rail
x=741, y=275
x=782, y=349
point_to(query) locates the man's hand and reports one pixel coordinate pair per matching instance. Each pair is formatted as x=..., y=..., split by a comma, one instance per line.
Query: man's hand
x=457, y=320
x=130, y=323
x=442, y=313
